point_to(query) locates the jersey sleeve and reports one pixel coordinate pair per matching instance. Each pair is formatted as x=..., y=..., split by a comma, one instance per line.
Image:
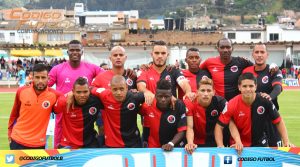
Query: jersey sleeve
x=273, y=113
x=178, y=75
x=60, y=106
x=277, y=79
x=99, y=92
x=181, y=109
x=221, y=102
x=140, y=98
x=96, y=81
x=52, y=76
x=203, y=65
x=245, y=62
x=207, y=73
x=141, y=76
x=226, y=114
x=14, y=112
x=189, y=107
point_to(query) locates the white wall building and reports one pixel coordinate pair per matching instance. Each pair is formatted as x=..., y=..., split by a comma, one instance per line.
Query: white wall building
x=15, y=36
x=105, y=17
x=157, y=24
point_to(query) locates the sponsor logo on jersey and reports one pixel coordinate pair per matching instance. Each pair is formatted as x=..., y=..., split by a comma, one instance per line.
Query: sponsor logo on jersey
x=214, y=113
x=100, y=90
x=151, y=115
x=93, y=110
x=46, y=104
x=241, y=114
x=129, y=82
x=234, y=68
x=131, y=106
x=67, y=80
x=171, y=119
x=215, y=69
x=265, y=79
x=111, y=107
x=260, y=110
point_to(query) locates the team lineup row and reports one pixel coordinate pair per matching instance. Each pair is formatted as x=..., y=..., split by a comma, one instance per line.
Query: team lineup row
x=196, y=118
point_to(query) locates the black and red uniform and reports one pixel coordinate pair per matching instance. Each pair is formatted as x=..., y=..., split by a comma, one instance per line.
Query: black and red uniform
x=102, y=80
x=164, y=125
x=150, y=77
x=225, y=77
x=78, y=123
x=205, y=120
x=266, y=83
x=194, y=79
x=120, y=127
x=250, y=120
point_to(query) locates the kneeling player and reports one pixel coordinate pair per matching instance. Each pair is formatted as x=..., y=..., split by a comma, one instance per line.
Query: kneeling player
x=78, y=121
x=167, y=125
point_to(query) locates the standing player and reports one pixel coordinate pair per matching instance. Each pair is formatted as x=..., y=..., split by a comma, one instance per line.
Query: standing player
x=65, y=74
x=148, y=79
x=249, y=111
x=31, y=111
x=120, y=114
x=225, y=69
x=167, y=125
x=193, y=74
x=78, y=121
x=268, y=85
x=202, y=116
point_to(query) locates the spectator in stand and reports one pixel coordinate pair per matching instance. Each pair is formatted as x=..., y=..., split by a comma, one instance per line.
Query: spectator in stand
x=21, y=76
x=296, y=73
x=283, y=71
x=2, y=62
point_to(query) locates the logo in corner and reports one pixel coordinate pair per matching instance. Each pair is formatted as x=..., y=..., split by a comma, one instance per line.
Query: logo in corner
x=10, y=159
x=46, y=104
x=227, y=159
x=93, y=110
x=131, y=106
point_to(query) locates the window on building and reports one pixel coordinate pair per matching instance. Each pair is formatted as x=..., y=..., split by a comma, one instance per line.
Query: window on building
x=231, y=35
x=97, y=36
x=274, y=36
x=116, y=36
x=255, y=35
x=69, y=37
x=54, y=37
x=2, y=38
x=12, y=34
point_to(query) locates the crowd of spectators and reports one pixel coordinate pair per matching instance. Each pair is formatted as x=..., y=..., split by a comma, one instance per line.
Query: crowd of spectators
x=9, y=68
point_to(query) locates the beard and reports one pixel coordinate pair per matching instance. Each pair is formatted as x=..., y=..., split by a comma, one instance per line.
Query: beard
x=159, y=65
x=40, y=88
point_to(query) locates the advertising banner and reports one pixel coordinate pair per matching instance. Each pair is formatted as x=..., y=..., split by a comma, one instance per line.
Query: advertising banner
x=142, y=157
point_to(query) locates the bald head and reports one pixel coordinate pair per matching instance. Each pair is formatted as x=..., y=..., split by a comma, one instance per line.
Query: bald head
x=118, y=57
x=118, y=88
x=117, y=79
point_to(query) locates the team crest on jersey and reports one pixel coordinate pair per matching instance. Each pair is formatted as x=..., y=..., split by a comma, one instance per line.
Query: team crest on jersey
x=214, y=113
x=171, y=119
x=93, y=110
x=265, y=79
x=131, y=106
x=234, y=68
x=129, y=82
x=46, y=104
x=260, y=110
x=168, y=78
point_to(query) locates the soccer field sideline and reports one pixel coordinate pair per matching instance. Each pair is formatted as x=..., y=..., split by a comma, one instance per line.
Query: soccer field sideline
x=288, y=100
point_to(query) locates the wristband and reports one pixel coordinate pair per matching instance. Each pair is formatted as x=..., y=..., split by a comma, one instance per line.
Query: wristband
x=171, y=143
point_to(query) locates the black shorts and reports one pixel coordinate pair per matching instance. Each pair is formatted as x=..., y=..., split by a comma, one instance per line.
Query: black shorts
x=17, y=146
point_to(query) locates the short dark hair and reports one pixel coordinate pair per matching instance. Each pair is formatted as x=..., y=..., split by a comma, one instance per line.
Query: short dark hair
x=160, y=43
x=40, y=67
x=192, y=50
x=80, y=81
x=74, y=42
x=223, y=39
x=103, y=64
x=164, y=84
x=245, y=76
